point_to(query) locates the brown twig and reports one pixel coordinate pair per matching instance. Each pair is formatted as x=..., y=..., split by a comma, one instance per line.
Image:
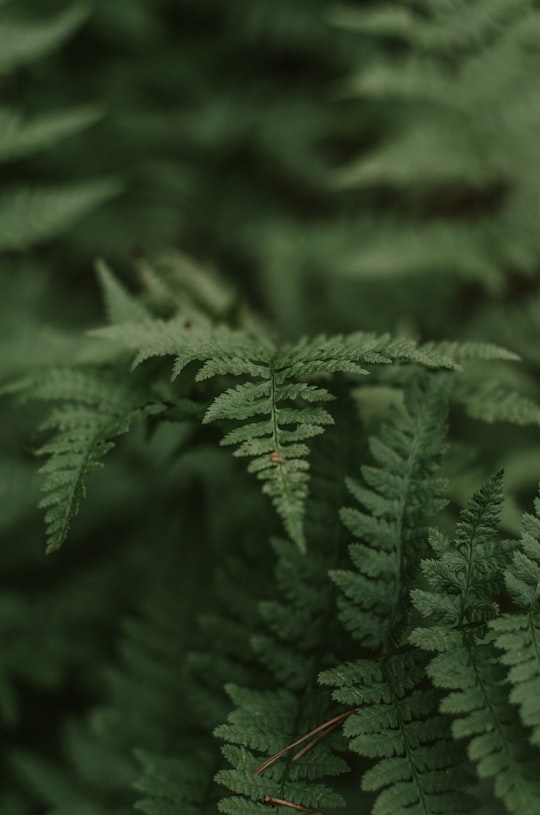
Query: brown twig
x=314, y=741
x=319, y=733
x=272, y=802
x=326, y=727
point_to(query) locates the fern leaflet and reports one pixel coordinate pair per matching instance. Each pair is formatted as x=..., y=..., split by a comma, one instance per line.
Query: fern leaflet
x=419, y=768
x=396, y=721
x=463, y=578
x=265, y=725
x=28, y=216
x=276, y=410
x=20, y=137
x=400, y=492
x=22, y=41
x=175, y=786
x=94, y=410
x=518, y=634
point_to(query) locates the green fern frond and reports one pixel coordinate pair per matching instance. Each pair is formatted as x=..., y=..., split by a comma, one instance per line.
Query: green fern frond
x=95, y=410
x=419, y=768
x=517, y=634
x=401, y=492
x=184, y=280
x=435, y=26
x=468, y=351
x=278, y=411
x=20, y=136
x=50, y=784
x=426, y=156
x=22, y=41
x=464, y=577
x=120, y=305
x=29, y=216
x=388, y=20
x=290, y=643
x=396, y=249
x=461, y=69
x=492, y=401
x=263, y=722
x=396, y=721
x=176, y=786
x=466, y=574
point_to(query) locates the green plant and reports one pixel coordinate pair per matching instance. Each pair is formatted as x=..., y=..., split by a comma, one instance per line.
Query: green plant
x=291, y=573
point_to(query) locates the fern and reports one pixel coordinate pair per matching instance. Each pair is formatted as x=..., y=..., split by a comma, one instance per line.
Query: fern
x=493, y=401
x=34, y=215
x=20, y=136
x=149, y=739
x=395, y=719
x=517, y=634
x=464, y=578
x=418, y=766
x=277, y=411
x=120, y=305
x=93, y=412
x=22, y=42
x=172, y=786
x=378, y=173
x=400, y=491
x=294, y=625
x=460, y=69
x=31, y=215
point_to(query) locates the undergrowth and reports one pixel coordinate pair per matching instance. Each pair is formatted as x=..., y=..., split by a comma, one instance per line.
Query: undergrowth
x=281, y=448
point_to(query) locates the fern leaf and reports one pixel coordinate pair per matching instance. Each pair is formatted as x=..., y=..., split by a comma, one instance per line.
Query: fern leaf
x=31, y=216
x=418, y=767
x=21, y=137
x=396, y=721
x=401, y=491
x=22, y=41
x=518, y=634
x=187, y=337
x=398, y=249
x=255, y=733
x=95, y=411
x=463, y=578
x=175, y=786
x=277, y=411
x=295, y=625
x=423, y=157
x=387, y=20
x=120, y=305
x=492, y=401
x=456, y=63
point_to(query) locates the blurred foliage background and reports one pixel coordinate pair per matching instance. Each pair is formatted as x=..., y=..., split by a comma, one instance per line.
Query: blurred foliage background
x=343, y=168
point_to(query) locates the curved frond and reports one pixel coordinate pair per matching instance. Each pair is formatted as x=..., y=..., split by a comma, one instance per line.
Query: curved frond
x=29, y=216
x=22, y=41
x=20, y=136
x=94, y=410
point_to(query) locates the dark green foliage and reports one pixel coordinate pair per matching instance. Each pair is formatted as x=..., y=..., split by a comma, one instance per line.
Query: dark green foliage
x=93, y=410
x=401, y=492
x=517, y=634
x=397, y=723
x=31, y=215
x=322, y=222
x=396, y=718
x=293, y=625
x=464, y=579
